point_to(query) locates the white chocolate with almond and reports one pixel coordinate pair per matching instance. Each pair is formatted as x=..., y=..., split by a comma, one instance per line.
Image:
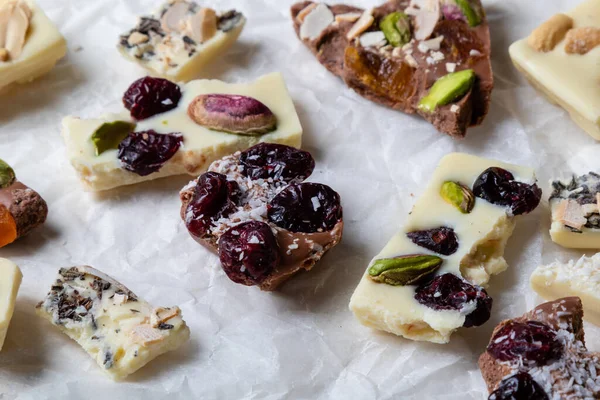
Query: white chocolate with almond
x=120, y=331
x=180, y=38
x=201, y=146
x=482, y=235
x=30, y=45
x=561, y=59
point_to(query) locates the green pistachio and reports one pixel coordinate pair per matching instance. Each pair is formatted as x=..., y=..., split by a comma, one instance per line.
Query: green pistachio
x=7, y=175
x=404, y=270
x=448, y=89
x=396, y=28
x=470, y=13
x=110, y=134
x=459, y=195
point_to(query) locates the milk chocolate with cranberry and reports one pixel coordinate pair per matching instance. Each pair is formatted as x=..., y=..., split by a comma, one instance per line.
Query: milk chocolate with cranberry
x=21, y=209
x=254, y=209
x=542, y=355
x=430, y=57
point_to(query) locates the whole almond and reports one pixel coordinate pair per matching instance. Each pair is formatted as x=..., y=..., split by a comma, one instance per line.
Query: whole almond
x=582, y=40
x=546, y=36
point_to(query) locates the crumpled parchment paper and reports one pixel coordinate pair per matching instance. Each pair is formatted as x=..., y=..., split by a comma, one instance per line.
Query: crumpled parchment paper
x=301, y=342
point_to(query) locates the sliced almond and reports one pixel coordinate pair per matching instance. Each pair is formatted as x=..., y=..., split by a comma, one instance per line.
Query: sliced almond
x=347, y=17
x=137, y=38
x=174, y=16
x=372, y=39
x=316, y=22
x=145, y=335
x=5, y=14
x=364, y=22
x=16, y=31
x=161, y=315
x=427, y=13
x=546, y=36
x=582, y=40
x=25, y=7
x=570, y=213
x=305, y=11
x=203, y=25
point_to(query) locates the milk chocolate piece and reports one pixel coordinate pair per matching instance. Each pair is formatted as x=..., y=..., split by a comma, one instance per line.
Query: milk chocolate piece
x=572, y=375
x=399, y=77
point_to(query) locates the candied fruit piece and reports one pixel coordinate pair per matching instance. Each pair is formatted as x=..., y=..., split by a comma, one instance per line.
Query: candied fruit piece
x=249, y=252
x=449, y=292
x=440, y=240
x=150, y=96
x=498, y=186
x=214, y=197
x=519, y=387
x=306, y=207
x=277, y=161
x=533, y=342
x=8, y=227
x=146, y=152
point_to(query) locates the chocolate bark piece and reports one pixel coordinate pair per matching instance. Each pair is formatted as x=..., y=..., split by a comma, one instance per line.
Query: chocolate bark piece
x=26, y=207
x=571, y=376
x=401, y=77
x=297, y=250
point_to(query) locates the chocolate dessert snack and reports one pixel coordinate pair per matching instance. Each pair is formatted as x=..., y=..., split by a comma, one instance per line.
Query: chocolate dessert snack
x=542, y=355
x=430, y=57
x=254, y=209
x=21, y=208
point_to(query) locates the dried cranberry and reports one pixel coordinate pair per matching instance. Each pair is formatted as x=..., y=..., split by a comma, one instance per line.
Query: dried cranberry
x=532, y=341
x=441, y=240
x=249, y=252
x=214, y=197
x=449, y=292
x=150, y=96
x=498, y=186
x=146, y=152
x=306, y=207
x=269, y=160
x=519, y=387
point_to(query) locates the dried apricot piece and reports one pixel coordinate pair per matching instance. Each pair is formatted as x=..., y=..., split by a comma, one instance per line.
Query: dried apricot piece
x=8, y=227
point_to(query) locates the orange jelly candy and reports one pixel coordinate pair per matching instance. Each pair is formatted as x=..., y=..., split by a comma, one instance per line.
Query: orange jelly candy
x=8, y=227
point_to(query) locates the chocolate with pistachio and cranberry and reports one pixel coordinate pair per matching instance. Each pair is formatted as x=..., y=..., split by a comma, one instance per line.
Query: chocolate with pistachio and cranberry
x=254, y=209
x=542, y=355
x=21, y=209
x=430, y=57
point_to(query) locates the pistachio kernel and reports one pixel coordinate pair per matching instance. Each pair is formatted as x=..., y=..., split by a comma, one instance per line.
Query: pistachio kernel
x=404, y=270
x=241, y=115
x=448, y=89
x=459, y=195
x=396, y=28
x=110, y=134
x=7, y=175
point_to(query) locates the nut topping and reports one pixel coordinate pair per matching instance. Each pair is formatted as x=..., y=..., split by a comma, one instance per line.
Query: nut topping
x=230, y=113
x=404, y=270
x=427, y=14
x=174, y=18
x=7, y=175
x=459, y=195
x=145, y=335
x=347, y=17
x=137, y=38
x=315, y=22
x=305, y=11
x=545, y=37
x=364, y=22
x=14, y=23
x=160, y=315
x=203, y=25
x=570, y=213
x=582, y=40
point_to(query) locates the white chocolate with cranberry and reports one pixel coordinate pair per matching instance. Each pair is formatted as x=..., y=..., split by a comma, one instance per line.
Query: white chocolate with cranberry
x=567, y=79
x=10, y=280
x=482, y=236
x=201, y=146
x=43, y=46
x=120, y=331
x=185, y=43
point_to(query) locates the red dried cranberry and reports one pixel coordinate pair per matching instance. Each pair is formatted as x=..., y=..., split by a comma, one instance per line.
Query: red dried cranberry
x=441, y=240
x=498, y=186
x=249, y=252
x=146, y=152
x=532, y=341
x=150, y=96
x=449, y=292
x=306, y=207
x=214, y=197
x=269, y=160
x=519, y=387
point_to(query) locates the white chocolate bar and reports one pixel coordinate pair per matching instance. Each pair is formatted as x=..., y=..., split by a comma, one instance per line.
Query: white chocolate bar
x=579, y=278
x=201, y=146
x=115, y=327
x=570, y=80
x=43, y=47
x=176, y=49
x=10, y=280
x=482, y=236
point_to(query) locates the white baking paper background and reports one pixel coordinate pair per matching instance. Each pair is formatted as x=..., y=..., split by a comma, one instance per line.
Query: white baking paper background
x=301, y=342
